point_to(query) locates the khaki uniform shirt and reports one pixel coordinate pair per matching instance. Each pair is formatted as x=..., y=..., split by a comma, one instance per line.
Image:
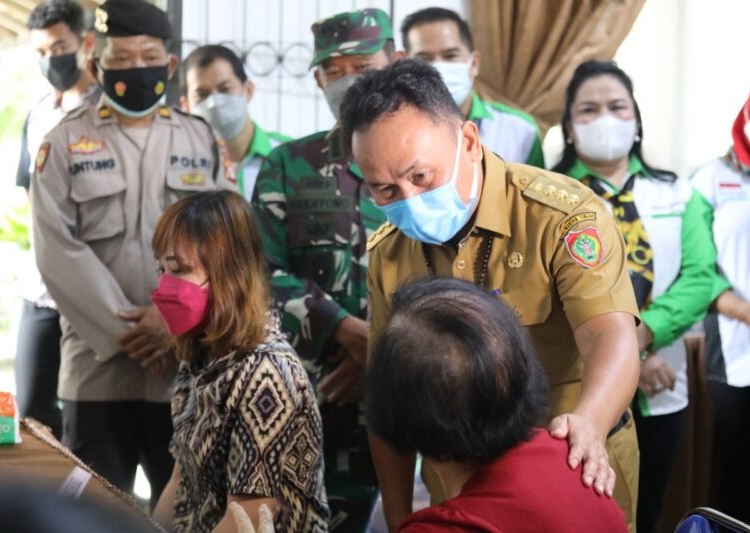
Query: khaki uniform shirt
x=557, y=259
x=96, y=199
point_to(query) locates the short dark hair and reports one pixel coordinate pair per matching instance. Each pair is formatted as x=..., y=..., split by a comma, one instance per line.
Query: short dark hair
x=453, y=376
x=412, y=82
x=51, y=12
x=436, y=14
x=584, y=72
x=204, y=56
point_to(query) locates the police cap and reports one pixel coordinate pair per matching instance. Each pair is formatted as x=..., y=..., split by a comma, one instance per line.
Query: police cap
x=124, y=18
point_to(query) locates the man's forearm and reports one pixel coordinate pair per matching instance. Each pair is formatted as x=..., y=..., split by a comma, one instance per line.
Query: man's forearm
x=609, y=349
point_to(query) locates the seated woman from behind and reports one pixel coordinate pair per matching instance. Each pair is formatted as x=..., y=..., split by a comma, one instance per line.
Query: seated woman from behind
x=455, y=378
x=246, y=423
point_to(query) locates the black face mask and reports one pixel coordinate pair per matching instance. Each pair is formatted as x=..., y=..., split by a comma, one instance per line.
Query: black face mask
x=61, y=71
x=135, y=92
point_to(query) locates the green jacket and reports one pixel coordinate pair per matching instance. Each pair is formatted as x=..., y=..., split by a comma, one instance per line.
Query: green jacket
x=507, y=131
x=260, y=147
x=686, y=300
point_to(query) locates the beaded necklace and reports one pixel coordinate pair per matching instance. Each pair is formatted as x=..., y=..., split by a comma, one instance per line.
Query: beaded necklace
x=480, y=276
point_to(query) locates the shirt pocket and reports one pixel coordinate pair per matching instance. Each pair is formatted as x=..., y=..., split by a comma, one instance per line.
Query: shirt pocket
x=100, y=199
x=532, y=306
x=320, y=247
x=184, y=182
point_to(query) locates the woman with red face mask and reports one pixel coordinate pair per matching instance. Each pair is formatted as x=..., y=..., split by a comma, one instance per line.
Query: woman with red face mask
x=246, y=422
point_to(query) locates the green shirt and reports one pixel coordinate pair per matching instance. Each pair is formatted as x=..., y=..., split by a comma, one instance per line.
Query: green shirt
x=260, y=148
x=507, y=131
x=686, y=301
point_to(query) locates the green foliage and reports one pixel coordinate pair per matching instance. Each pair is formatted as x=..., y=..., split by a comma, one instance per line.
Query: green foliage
x=14, y=226
x=20, y=80
x=11, y=121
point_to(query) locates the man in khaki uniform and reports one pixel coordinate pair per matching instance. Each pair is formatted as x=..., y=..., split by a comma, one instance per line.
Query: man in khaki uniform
x=103, y=177
x=539, y=241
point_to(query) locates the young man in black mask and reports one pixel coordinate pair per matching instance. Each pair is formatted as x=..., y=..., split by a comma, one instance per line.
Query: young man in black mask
x=103, y=177
x=58, y=34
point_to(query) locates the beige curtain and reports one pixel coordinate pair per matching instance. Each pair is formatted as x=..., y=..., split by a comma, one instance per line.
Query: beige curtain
x=530, y=48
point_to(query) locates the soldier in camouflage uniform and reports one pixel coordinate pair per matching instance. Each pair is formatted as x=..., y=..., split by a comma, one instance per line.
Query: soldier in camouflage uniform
x=316, y=215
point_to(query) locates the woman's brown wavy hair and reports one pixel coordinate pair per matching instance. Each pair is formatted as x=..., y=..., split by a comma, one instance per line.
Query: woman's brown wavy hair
x=219, y=227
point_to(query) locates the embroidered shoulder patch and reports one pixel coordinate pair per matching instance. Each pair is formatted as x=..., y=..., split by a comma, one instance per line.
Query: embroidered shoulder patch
x=585, y=246
x=230, y=171
x=41, y=157
x=553, y=193
x=576, y=219
x=381, y=233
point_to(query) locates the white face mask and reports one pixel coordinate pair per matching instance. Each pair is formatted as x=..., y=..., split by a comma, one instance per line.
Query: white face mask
x=227, y=113
x=335, y=92
x=457, y=77
x=605, y=139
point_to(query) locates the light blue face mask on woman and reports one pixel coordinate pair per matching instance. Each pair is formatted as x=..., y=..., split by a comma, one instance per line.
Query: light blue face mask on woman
x=435, y=216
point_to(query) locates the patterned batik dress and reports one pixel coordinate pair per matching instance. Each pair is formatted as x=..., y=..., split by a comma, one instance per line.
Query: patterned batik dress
x=248, y=423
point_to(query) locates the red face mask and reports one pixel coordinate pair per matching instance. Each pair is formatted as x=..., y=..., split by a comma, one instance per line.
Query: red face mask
x=740, y=137
x=182, y=304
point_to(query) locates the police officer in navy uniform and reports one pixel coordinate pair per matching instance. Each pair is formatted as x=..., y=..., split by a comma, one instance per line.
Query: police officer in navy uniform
x=103, y=176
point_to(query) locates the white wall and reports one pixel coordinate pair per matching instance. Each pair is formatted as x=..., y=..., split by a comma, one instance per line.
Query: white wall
x=282, y=102
x=687, y=59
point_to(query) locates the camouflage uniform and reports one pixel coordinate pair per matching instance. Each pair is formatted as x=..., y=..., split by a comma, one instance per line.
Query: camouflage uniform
x=316, y=216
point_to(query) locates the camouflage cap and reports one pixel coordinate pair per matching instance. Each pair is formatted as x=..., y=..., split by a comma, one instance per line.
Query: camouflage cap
x=360, y=32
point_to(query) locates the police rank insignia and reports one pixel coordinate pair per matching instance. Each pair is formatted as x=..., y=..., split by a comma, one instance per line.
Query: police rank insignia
x=585, y=246
x=85, y=146
x=41, y=157
x=100, y=20
x=194, y=179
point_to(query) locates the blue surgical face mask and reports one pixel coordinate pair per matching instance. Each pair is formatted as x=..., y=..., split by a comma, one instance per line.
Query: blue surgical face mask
x=435, y=216
x=457, y=77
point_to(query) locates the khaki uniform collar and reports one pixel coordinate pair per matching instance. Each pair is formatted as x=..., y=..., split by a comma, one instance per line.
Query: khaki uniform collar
x=104, y=115
x=492, y=213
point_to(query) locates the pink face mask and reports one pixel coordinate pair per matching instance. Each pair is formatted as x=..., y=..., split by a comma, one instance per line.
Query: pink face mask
x=182, y=304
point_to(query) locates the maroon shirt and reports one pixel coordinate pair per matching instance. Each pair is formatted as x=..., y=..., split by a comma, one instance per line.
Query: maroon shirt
x=529, y=489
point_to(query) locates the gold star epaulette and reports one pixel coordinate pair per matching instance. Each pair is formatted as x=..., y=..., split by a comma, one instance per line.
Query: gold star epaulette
x=553, y=193
x=165, y=111
x=105, y=111
x=381, y=233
